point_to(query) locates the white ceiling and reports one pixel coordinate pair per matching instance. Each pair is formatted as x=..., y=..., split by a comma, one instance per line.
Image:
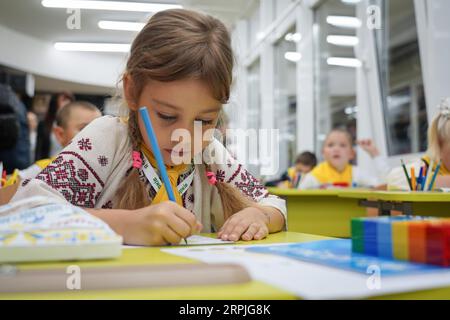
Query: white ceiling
x=30, y=18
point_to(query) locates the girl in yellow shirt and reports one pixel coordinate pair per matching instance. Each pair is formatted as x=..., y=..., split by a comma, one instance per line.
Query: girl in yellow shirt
x=337, y=171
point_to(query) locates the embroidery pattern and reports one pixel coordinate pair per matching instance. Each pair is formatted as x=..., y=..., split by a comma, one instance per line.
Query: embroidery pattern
x=103, y=161
x=81, y=187
x=85, y=144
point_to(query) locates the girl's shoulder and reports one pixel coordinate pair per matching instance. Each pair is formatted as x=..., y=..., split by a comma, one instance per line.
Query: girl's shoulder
x=108, y=125
x=106, y=129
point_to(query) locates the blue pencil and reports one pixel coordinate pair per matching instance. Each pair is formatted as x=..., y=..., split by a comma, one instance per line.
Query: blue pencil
x=433, y=180
x=420, y=180
x=157, y=153
x=424, y=177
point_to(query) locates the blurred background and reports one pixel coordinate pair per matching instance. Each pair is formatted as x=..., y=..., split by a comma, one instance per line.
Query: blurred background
x=376, y=67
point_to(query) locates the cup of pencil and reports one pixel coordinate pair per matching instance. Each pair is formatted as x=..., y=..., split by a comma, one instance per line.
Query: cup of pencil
x=425, y=180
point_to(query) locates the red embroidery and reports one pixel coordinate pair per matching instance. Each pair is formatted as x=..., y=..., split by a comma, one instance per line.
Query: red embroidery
x=235, y=173
x=85, y=144
x=83, y=174
x=250, y=186
x=63, y=176
x=220, y=175
x=103, y=161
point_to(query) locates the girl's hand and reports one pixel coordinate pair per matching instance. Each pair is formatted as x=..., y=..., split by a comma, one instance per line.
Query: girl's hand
x=368, y=146
x=248, y=224
x=160, y=224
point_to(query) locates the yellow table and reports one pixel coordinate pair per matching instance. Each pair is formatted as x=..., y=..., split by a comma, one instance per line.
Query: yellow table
x=418, y=203
x=152, y=256
x=321, y=212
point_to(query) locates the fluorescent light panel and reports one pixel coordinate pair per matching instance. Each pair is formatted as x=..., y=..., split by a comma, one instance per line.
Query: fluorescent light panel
x=293, y=37
x=293, y=56
x=344, y=62
x=121, y=25
x=92, y=47
x=344, y=22
x=345, y=41
x=109, y=5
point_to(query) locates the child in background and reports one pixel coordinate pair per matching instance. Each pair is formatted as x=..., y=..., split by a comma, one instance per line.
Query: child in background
x=304, y=163
x=180, y=68
x=438, y=150
x=46, y=142
x=70, y=120
x=337, y=171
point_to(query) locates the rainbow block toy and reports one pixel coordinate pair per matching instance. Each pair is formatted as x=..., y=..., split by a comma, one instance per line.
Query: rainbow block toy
x=408, y=238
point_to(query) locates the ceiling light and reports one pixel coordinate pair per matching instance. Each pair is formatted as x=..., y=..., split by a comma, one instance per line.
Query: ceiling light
x=293, y=37
x=93, y=47
x=121, y=25
x=344, y=62
x=344, y=22
x=293, y=56
x=351, y=1
x=346, y=41
x=109, y=5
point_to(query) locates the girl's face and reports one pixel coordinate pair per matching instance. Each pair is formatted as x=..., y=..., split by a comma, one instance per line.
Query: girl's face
x=338, y=150
x=177, y=105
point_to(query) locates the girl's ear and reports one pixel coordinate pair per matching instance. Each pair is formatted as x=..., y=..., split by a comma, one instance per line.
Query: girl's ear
x=128, y=91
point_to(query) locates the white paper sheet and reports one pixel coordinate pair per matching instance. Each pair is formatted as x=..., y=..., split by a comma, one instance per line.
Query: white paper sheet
x=312, y=281
x=194, y=240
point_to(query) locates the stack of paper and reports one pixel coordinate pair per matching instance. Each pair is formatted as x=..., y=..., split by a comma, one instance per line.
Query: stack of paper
x=55, y=232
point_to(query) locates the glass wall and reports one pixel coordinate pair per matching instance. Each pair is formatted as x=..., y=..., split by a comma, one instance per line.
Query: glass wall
x=254, y=108
x=285, y=83
x=401, y=79
x=335, y=68
x=254, y=24
x=280, y=6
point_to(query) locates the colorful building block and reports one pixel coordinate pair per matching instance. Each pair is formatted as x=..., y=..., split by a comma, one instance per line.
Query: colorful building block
x=400, y=240
x=370, y=237
x=357, y=229
x=407, y=238
x=417, y=233
x=384, y=235
x=438, y=243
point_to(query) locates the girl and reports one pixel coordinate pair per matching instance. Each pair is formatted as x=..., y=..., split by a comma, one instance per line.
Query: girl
x=336, y=170
x=180, y=68
x=438, y=149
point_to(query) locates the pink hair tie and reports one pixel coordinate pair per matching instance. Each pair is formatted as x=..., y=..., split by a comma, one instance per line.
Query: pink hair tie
x=137, y=161
x=211, y=178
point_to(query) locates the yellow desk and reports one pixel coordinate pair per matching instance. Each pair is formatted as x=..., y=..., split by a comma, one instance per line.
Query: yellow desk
x=418, y=203
x=150, y=256
x=321, y=212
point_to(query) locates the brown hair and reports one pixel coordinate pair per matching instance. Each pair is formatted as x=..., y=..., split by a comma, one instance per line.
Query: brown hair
x=175, y=45
x=344, y=131
x=439, y=131
x=307, y=158
x=63, y=115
